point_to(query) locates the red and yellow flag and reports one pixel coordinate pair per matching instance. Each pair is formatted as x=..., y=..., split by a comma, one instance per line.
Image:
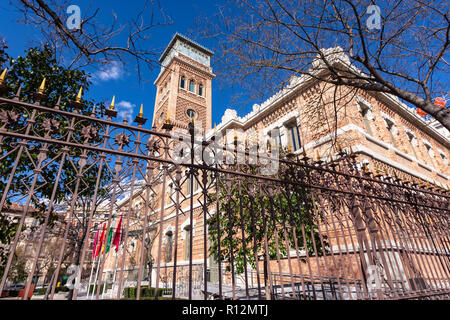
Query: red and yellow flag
x=100, y=245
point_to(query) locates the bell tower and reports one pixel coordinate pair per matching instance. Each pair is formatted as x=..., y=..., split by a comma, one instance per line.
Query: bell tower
x=184, y=85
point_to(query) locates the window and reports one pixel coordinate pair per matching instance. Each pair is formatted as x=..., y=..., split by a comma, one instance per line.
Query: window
x=293, y=137
x=169, y=246
x=191, y=113
x=366, y=114
x=200, y=90
x=192, y=86
x=412, y=141
x=195, y=184
x=171, y=193
x=137, y=210
x=429, y=149
x=392, y=130
x=275, y=137
x=444, y=158
x=183, y=82
x=187, y=242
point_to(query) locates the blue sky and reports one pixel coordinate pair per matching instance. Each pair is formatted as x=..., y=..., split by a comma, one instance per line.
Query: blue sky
x=123, y=83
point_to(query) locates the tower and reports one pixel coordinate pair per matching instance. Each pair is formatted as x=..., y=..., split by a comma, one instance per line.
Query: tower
x=184, y=84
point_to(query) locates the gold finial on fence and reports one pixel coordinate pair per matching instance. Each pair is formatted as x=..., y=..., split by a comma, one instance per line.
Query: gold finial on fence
x=396, y=176
x=168, y=117
x=215, y=129
x=377, y=171
x=42, y=87
x=111, y=107
x=3, y=76
x=317, y=155
x=351, y=151
x=365, y=168
x=141, y=112
x=404, y=177
x=78, y=99
x=289, y=150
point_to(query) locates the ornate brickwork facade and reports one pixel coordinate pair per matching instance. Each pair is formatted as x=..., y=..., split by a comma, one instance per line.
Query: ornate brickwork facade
x=314, y=118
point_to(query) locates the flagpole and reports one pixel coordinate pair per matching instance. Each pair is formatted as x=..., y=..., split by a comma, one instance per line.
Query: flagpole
x=96, y=275
x=114, y=275
x=90, y=278
x=107, y=247
x=93, y=262
x=106, y=279
x=116, y=242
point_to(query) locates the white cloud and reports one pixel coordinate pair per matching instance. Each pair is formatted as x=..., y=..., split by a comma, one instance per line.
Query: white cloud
x=125, y=108
x=112, y=71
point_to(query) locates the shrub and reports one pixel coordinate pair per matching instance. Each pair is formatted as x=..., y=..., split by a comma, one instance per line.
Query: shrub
x=130, y=292
x=62, y=289
x=93, y=288
x=40, y=291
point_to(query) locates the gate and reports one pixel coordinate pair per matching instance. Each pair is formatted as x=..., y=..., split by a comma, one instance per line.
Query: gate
x=200, y=230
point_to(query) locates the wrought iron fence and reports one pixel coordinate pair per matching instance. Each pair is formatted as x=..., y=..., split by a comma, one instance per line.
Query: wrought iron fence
x=312, y=230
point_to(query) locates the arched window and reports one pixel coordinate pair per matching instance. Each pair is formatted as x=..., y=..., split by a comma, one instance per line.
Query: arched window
x=183, y=82
x=187, y=242
x=169, y=246
x=194, y=185
x=191, y=113
x=200, y=90
x=392, y=131
x=366, y=115
x=293, y=136
x=192, y=86
x=412, y=141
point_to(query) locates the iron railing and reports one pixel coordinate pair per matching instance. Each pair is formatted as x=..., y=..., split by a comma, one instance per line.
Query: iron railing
x=312, y=230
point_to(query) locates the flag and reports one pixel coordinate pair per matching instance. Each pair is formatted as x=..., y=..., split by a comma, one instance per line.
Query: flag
x=118, y=234
x=95, y=244
x=440, y=101
x=101, y=241
x=108, y=244
x=421, y=113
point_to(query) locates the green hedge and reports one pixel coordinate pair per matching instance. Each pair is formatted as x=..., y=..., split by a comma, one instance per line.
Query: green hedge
x=40, y=291
x=130, y=292
x=62, y=289
x=93, y=288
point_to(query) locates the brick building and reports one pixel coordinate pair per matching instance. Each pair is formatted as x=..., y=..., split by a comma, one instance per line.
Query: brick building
x=385, y=134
